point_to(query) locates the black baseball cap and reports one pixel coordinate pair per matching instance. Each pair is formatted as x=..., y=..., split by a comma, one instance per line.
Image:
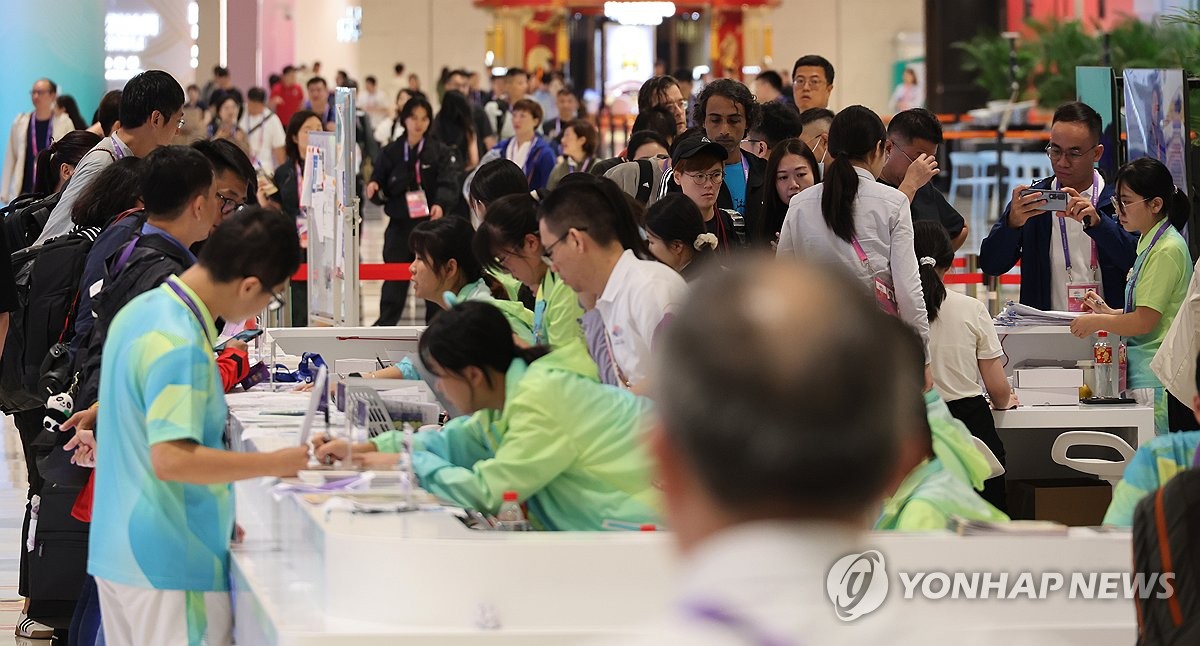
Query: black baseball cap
x=691, y=145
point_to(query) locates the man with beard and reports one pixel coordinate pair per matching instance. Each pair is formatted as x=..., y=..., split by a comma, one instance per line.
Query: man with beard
x=726, y=110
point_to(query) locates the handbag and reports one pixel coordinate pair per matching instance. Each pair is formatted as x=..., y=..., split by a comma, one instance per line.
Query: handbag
x=885, y=293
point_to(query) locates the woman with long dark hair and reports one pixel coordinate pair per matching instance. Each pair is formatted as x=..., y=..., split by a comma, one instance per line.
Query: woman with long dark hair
x=1147, y=203
x=792, y=167
x=852, y=220
x=963, y=346
x=287, y=180
x=455, y=127
x=67, y=105
x=677, y=236
x=567, y=446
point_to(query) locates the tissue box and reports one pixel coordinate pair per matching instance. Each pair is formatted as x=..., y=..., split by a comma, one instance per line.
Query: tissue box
x=1068, y=396
x=1049, y=378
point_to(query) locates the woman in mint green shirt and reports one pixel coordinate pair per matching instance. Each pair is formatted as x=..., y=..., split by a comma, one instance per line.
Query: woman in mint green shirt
x=1147, y=202
x=508, y=242
x=569, y=446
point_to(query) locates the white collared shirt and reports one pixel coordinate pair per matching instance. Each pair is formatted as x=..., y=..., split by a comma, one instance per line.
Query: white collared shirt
x=883, y=226
x=639, y=297
x=1080, y=244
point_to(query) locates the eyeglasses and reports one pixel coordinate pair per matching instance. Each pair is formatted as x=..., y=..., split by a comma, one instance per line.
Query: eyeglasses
x=229, y=205
x=1056, y=153
x=277, y=300
x=700, y=179
x=38, y=92
x=1121, y=206
x=812, y=81
x=548, y=252
x=681, y=105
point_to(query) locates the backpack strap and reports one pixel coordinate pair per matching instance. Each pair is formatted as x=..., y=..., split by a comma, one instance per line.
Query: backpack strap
x=645, y=180
x=739, y=225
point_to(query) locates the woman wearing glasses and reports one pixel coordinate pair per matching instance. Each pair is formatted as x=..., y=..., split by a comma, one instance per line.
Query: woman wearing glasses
x=698, y=170
x=1148, y=204
x=508, y=242
x=853, y=220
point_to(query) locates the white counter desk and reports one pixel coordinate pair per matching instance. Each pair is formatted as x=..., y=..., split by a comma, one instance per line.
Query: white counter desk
x=306, y=576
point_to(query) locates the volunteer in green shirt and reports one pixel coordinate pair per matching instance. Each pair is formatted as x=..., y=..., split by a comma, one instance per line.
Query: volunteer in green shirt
x=445, y=272
x=507, y=242
x=945, y=484
x=1147, y=202
x=570, y=447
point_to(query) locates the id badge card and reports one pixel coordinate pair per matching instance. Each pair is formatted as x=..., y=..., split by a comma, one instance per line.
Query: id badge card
x=1076, y=292
x=418, y=206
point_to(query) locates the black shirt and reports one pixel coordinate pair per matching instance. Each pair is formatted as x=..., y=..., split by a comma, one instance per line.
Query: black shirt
x=41, y=136
x=929, y=204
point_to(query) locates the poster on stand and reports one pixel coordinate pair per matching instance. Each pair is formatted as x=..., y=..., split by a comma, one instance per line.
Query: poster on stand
x=1155, y=118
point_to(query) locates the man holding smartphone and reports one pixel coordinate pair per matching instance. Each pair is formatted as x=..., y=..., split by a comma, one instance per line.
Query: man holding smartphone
x=1065, y=252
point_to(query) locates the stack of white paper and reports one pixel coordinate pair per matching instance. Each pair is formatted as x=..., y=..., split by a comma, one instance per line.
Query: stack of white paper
x=1018, y=315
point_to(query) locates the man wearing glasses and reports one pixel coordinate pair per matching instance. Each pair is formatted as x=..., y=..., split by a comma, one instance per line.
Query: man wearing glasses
x=812, y=82
x=151, y=115
x=187, y=192
x=32, y=132
x=1064, y=253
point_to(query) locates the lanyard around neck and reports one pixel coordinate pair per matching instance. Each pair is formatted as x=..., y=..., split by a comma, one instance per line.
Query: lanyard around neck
x=417, y=166
x=1062, y=227
x=191, y=305
x=1140, y=263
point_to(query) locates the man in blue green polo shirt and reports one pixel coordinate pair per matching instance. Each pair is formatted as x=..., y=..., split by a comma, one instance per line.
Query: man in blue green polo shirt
x=163, y=513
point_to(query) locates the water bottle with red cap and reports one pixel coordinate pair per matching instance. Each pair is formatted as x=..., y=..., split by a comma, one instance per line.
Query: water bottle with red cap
x=511, y=518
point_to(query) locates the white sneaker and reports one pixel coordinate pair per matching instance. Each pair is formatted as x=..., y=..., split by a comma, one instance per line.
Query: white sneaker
x=30, y=629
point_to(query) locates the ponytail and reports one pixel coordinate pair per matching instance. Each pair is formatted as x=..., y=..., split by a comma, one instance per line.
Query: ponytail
x=67, y=150
x=855, y=133
x=931, y=243
x=1179, y=209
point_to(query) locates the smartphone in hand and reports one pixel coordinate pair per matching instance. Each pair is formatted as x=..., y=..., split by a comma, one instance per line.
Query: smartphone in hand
x=245, y=336
x=1051, y=200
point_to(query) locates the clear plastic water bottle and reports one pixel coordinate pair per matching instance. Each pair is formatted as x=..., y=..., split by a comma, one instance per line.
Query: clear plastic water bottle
x=511, y=518
x=1102, y=352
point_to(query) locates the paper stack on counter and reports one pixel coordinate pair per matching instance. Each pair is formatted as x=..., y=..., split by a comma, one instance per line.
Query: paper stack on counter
x=1018, y=315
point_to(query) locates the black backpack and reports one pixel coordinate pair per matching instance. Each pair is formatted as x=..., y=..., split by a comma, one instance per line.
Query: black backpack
x=25, y=217
x=47, y=278
x=1166, y=538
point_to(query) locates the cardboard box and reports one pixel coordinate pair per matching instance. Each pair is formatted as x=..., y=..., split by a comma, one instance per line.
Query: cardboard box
x=1049, y=377
x=1078, y=502
x=1048, y=396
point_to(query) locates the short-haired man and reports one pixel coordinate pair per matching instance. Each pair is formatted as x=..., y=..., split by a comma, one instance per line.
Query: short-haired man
x=568, y=110
x=151, y=115
x=516, y=87
x=592, y=240
x=779, y=121
x=768, y=87
x=812, y=82
x=1061, y=252
x=287, y=96
x=319, y=103
x=264, y=132
x=760, y=517
x=727, y=111
x=32, y=132
x=815, y=124
x=373, y=101
x=913, y=139
x=182, y=207
x=163, y=513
